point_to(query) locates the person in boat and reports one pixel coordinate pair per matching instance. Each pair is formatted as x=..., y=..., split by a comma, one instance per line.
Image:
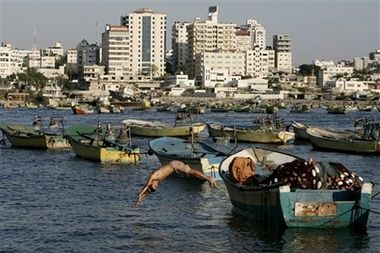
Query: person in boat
x=98, y=134
x=123, y=136
x=109, y=136
x=164, y=171
x=37, y=123
x=242, y=171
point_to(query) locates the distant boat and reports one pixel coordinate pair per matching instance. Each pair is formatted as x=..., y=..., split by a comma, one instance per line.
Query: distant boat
x=95, y=147
x=159, y=129
x=82, y=109
x=279, y=204
x=250, y=134
x=197, y=155
x=368, y=142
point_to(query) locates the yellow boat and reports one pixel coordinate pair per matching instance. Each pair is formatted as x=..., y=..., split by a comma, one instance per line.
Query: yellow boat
x=87, y=145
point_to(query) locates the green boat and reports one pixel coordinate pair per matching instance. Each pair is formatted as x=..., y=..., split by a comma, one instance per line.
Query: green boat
x=278, y=203
x=94, y=146
x=23, y=136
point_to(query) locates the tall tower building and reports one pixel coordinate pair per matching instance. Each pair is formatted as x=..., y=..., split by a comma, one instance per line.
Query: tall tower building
x=116, y=52
x=282, y=45
x=208, y=36
x=258, y=34
x=180, y=44
x=147, y=36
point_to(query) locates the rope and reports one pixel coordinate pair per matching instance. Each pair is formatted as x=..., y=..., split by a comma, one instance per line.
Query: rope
x=369, y=210
x=375, y=195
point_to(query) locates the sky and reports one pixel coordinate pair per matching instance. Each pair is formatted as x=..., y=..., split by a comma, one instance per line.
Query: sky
x=319, y=29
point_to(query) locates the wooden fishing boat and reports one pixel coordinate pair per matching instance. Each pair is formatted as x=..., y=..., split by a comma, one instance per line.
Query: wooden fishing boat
x=250, y=134
x=88, y=144
x=299, y=130
x=282, y=205
x=82, y=109
x=198, y=155
x=159, y=129
x=23, y=136
x=350, y=142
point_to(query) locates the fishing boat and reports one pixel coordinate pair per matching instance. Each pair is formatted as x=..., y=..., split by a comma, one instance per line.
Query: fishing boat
x=91, y=144
x=82, y=109
x=24, y=136
x=159, y=129
x=198, y=155
x=254, y=134
x=299, y=130
x=280, y=204
x=351, y=142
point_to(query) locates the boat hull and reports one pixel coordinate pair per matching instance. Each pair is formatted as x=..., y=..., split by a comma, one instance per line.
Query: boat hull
x=280, y=205
x=176, y=131
x=84, y=149
x=342, y=143
x=250, y=135
x=198, y=156
x=33, y=140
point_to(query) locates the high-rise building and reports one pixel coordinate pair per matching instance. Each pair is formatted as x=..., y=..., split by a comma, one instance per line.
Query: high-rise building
x=88, y=54
x=116, y=51
x=147, y=36
x=282, y=46
x=180, y=44
x=257, y=33
x=208, y=36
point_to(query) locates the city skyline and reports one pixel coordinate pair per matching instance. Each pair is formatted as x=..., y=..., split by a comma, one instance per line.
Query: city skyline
x=319, y=30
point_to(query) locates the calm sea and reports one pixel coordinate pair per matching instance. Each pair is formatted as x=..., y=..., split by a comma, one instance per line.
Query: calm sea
x=52, y=201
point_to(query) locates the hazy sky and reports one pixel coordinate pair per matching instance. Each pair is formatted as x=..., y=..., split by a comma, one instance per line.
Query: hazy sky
x=319, y=29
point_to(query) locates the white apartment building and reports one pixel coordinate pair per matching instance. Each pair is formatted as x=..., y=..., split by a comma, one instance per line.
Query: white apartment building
x=212, y=78
x=208, y=36
x=56, y=50
x=331, y=73
x=257, y=34
x=47, y=62
x=180, y=44
x=147, y=35
x=232, y=62
x=32, y=59
x=282, y=46
x=116, y=56
x=93, y=72
x=5, y=60
x=349, y=85
x=243, y=40
x=180, y=80
x=259, y=62
x=72, y=56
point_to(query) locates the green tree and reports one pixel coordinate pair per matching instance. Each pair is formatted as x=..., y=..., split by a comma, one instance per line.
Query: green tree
x=308, y=70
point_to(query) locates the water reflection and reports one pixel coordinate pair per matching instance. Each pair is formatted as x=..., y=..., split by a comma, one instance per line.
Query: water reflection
x=272, y=238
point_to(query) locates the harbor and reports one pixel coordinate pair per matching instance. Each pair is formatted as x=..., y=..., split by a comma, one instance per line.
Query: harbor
x=55, y=200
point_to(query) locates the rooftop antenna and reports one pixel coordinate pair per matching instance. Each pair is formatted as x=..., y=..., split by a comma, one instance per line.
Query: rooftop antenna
x=34, y=46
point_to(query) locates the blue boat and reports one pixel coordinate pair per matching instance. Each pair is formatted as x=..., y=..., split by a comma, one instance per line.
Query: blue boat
x=278, y=203
x=198, y=155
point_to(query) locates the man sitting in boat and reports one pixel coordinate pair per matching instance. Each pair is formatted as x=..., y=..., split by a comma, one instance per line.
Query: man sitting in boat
x=123, y=136
x=242, y=170
x=109, y=136
x=37, y=123
x=164, y=171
